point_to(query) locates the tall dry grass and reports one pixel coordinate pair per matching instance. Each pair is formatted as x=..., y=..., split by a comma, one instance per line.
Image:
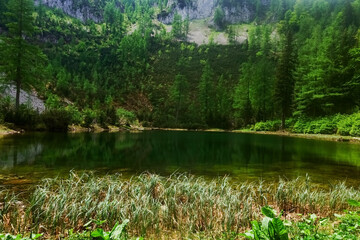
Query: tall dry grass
x=181, y=204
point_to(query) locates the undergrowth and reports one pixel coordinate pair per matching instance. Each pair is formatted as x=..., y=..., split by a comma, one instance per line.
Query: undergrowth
x=345, y=125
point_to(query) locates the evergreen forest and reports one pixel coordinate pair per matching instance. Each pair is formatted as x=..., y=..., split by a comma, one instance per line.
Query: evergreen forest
x=300, y=62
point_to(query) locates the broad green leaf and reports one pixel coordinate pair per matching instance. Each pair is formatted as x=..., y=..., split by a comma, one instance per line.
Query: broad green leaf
x=353, y=203
x=98, y=233
x=265, y=223
x=269, y=212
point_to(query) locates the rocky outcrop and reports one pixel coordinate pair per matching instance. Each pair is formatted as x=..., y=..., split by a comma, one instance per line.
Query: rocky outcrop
x=198, y=9
x=239, y=11
x=25, y=98
x=84, y=10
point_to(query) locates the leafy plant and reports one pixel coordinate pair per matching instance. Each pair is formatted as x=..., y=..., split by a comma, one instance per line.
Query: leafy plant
x=117, y=232
x=271, y=227
x=19, y=237
x=309, y=228
x=124, y=116
x=349, y=227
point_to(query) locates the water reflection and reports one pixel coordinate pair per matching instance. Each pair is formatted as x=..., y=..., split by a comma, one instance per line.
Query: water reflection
x=248, y=155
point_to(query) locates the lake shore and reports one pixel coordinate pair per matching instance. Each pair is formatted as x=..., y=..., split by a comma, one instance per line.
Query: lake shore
x=325, y=137
x=7, y=131
x=4, y=130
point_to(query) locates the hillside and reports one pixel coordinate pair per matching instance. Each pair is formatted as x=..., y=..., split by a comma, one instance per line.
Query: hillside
x=192, y=63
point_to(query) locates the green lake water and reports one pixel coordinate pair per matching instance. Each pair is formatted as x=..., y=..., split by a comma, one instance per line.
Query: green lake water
x=24, y=159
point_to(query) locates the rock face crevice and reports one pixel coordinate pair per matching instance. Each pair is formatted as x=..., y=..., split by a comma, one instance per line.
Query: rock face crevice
x=82, y=10
x=239, y=11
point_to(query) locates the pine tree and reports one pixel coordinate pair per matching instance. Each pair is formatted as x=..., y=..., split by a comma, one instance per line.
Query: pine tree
x=20, y=60
x=2, y=11
x=242, y=103
x=177, y=29
x=204, y=89
x=177, y=94
x=219, y=18
x=284, y=84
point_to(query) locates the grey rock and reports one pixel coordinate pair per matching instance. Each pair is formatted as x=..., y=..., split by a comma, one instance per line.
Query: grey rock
x=83, y=13
x=238, y=12
x=25, y=98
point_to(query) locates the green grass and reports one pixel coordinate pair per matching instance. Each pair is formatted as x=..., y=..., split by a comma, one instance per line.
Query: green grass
x=180, y=205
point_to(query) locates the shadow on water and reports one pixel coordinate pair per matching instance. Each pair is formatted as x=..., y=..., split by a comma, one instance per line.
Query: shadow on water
x=242, y=156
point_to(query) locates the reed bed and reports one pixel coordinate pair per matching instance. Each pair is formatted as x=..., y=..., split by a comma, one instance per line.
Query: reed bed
x=180, y=205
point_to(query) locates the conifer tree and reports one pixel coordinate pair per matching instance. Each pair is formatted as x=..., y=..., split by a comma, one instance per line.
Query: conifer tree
x=19, y=58
x=284, y=84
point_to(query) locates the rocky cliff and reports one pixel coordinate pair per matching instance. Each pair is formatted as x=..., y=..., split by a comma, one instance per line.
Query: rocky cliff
x=80, y=9
x=238, y=11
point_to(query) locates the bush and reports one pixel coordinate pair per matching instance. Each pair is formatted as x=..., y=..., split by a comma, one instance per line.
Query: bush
x=53, y=102
x=25, y=116
x=320, y=126
x=5, y=108
x=349, y=124
x=267, y=126
x=344, y=126
x=125, y=117
x=299, y=126
x=75, y=115
x=327, y=126
x=56, y=119
x=89, y=117
x=355, y=129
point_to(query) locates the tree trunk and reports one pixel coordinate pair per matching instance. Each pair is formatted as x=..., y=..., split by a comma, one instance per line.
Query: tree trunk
x=17, y=101
x=282, y=127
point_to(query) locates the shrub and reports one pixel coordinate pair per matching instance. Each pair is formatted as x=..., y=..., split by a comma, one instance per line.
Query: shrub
x=25, y=116
x=320, y=126
x=5, y=108
x=344, y=126
x=53, y=102
x=56, y=119
x=327, y=126
x=355, y=129
x=349, y=124
x=299, y=126
x=267, y=126
x=125, y=117
x=89, y=117
x=75, y=115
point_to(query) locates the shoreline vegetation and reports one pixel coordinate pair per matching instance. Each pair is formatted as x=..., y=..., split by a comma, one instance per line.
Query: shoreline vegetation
x=177, y=207
x=97, y=129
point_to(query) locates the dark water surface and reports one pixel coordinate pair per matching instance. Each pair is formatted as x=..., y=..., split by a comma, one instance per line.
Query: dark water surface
x=27, y=158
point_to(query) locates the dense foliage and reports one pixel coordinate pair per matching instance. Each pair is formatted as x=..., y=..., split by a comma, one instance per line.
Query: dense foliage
x=301, y=60
x=346, y=125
